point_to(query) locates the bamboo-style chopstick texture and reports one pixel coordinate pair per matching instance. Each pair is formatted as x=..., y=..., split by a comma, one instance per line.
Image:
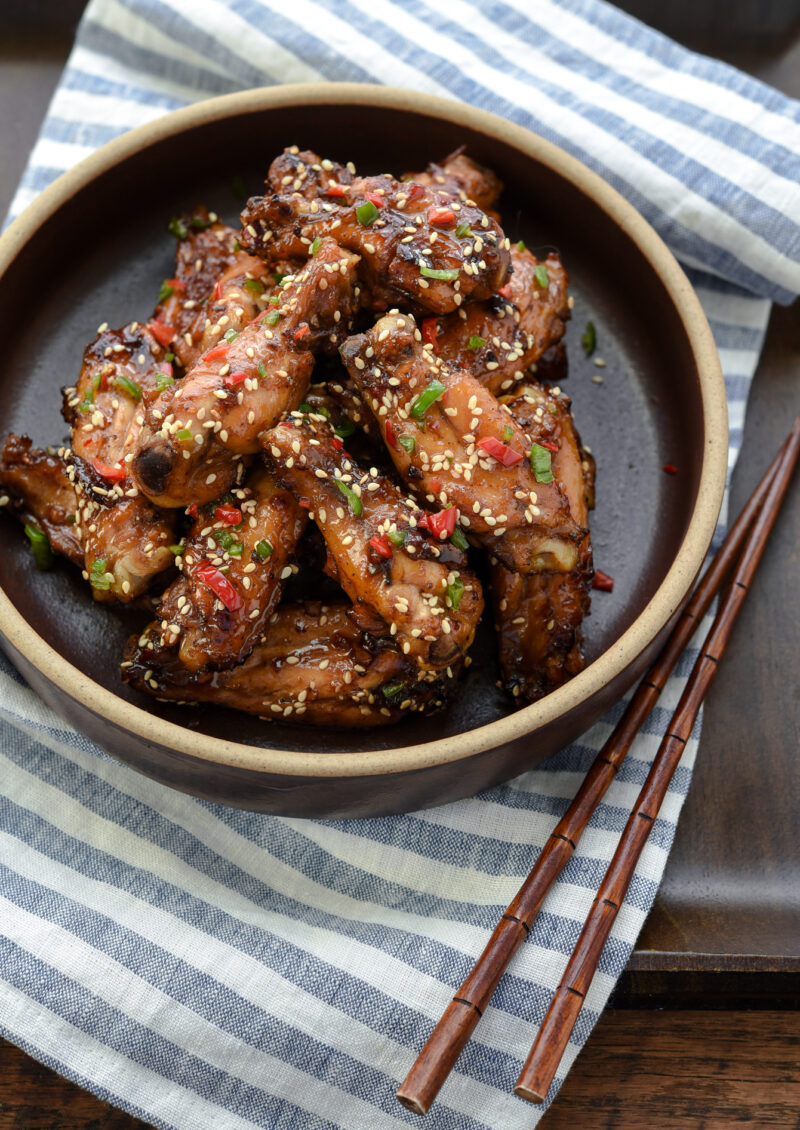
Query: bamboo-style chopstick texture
x=449, y=1037
x=542, y=1063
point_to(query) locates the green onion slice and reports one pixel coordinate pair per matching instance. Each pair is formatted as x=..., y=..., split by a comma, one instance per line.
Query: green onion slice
x=589, y=339
x=230, y=335
x=431, y=273
x=262, y=371
x=540, y=275
x=164, y=381
x=422, y=403
x=397, y=537
x=344, y=428
x=459, y=539
x=98, y=576
x=184, y=435
x=455, y=591
x=391, y=690
x=475, y=342
x=353, y=501
x=133, y=390
x=40, y=546
x=540, y=464
x=178, y=228
x=165, y=292
x=272, y=318
x=367, y=213
x=521, y=246
x=508, y=433
x=263, y=550
x=315, y=246
x=463, y=230
x=254, y=286
x=408, y=443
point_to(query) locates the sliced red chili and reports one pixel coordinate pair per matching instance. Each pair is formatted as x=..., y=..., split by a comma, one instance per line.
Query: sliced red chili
x=161, y=331
x=217, y=352
x=504, y=454
x=176, y=284
x=442, y=216
x=602, y=581
x=234, y=379
x=230, y=515
x=373, y=198
x=192, y=510
x=381, y=545
x=113, y=474
x=436, y=486
x=549, y=445
x=430, y=331
x=335, y=190
x=166, y=368
x=415, y=191
x=670, y=468
x=391, y=436
x=305, y=503
x=505, y=290
x=337, y=443
x=301, y=331
x=219, y=584
x=441, y=525
x=218, y=292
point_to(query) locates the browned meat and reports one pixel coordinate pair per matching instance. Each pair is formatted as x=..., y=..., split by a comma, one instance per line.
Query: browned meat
x=464, y=178
x=539, y=616
x=315, y=665
x=205, y=249
x=498, y=340
x=404, y=583
x=193, y=439
x=450, y=451
x=406, y=236
x=125, y=538
x=305, y=172
x=339, y=401
x=39, y=493
x=233, y=572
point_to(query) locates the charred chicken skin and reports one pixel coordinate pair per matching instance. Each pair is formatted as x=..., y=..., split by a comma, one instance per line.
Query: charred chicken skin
x=538, y=617
x=416, y=243
x=316, y=665
x=125, y=538
x=234, y=562
x=37, y=490
x=498, y=340
x=406, y=583
x=455, y=445
x=201, y=429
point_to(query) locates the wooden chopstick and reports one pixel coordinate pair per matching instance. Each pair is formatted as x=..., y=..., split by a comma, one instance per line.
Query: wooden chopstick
x=545, y=1055
x=446, y=1042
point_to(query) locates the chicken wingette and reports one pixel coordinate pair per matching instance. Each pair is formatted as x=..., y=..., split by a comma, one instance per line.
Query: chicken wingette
x=37, y=490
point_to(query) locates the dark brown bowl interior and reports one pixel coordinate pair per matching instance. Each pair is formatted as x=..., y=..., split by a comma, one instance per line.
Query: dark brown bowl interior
x=102, y=256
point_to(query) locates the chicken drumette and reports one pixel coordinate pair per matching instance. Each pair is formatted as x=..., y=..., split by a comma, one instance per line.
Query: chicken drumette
x=38, y=492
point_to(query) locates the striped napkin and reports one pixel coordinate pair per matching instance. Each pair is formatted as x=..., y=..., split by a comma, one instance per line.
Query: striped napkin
x=204, y=967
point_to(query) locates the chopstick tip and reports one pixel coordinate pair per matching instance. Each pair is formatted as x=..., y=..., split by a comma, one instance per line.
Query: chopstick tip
x=523, y=1092
x=414, y=1105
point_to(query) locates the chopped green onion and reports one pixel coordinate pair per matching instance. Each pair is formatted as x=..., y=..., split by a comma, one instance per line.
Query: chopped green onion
x=367, y=213
x=304, y=407
x=430, y=273
x=164, y=381
x=230, y=335
x=315, y=246
x=408, y=443
x=130, y=387
x=275, y=300
x=521, y=246
x=199, y=224
x=463, y=230
x=165, y=292
x=454, y=593
x=262, y=372
x=353, y=501
x=224, y=538
x=322, y=410
x=272, y=318
x=540, y=464
x=169, y=357
x=344, y=428
x=236, y=245
x=540, y=275
x=508, y=433
x=422, y=403
x=177, y=550
x=263, y=550
x=278, y=278
x=475, y=342
x=459, y=539
x=589, y=339
x=391, y=690
x=40, y=546
x=184, y=435
x=254, y=286
x=88, y=396
x=178, y=228
x=238, y=188
x=98, y=577
x=397, y=537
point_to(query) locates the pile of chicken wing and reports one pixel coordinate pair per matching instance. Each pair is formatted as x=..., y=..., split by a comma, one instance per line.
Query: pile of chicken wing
x=342, y=392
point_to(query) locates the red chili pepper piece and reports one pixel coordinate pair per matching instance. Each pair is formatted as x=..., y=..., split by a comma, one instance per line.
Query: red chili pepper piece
x=670, y=468
x=219, y=584
x=161, y=331
x=335, y=190
x=549, y=445
x=505, y=290
x=166, y=368
x=391, y=435
x=415, y=192
x=301, y=331
x=441, y=216
x=176, y=284
x=217, y=352
x=602, y=581
x=373, y=198
x=436, y=486
x=337, y=443
x=113, y=474
x=192, y=510
x=441, y=525
x=430, y=331
x=305, y=503
x=230, y=515
x=234, y=379
x=504, y=454
x=218, y=292
x=381, y=545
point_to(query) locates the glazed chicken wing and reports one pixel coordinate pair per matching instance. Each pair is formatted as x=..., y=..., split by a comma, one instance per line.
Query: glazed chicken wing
x=539, y=616
x=234, y=563
x=412, y=239
x=498, y=340
x=456, y=445
x=316, y=665
x=404, y=582
x=38, y=491
x=464, y=178
x=125, y=538
x=193, y=439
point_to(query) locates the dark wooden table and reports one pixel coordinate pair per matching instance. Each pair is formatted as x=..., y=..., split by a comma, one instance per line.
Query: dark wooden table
x=720, y=951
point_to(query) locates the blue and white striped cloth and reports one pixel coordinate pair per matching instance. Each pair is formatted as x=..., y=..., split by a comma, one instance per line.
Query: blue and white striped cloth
x=205, y=967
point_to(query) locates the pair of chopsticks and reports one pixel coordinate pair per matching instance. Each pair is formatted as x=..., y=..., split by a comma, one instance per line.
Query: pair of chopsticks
x=749, y=535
